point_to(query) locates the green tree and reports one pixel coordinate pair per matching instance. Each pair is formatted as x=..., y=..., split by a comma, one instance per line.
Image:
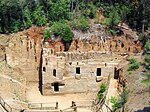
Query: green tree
x=81, y=23
x=63, y=30
x=139, y=16
x=47, y=33
x=146, y=80
x=28, y=17
x=133, y=65
x=39, y=17
x=59, y=10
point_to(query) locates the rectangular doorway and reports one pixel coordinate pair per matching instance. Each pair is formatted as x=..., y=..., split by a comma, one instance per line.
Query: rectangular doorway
x=98, y=73
x=116, y=73
x=56, y=87
x=77, y=70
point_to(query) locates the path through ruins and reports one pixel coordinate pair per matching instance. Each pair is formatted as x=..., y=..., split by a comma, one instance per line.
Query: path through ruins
x=112, y=91
x=64, y=101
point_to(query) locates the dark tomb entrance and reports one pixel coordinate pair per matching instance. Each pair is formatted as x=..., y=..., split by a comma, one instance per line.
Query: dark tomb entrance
x=116, y=73
x=54, y=72
x=98, y=72
x=44, y=69
x=56, y=86
x=78, y=70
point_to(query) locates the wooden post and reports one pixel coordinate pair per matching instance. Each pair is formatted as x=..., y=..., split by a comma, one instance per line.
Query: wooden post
x=10, y=109
x=41, y=106
x=74, y=106
x=56, y=105
x=29, y=106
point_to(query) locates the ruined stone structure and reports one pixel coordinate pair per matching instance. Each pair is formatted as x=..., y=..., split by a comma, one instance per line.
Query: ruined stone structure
x=86, y=64
x=71, y=72
x=24, y=52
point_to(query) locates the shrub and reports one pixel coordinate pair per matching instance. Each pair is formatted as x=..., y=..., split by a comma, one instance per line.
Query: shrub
x=16, y=26
x=146, y=80
x=120, y=101
x=115, y=103
x=129, y=73
x=133, y=65
x=147, y=62
x=132, y=61
x=89, y=10
x=81, y=23
x=63, y=30
x=147, y=47
x=103, y=88
x=28, y=18
x=47, y=34
x=102, y=91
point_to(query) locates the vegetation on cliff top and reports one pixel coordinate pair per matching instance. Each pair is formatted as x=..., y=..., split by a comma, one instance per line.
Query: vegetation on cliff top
x=16, y=15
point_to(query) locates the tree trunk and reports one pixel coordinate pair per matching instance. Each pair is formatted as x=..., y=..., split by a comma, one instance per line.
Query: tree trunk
x=23, y=17
x=143, y=14
x=2, y=22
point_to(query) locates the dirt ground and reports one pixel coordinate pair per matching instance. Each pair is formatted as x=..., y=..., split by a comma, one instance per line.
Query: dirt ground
x=64, y=101
x=139, y=95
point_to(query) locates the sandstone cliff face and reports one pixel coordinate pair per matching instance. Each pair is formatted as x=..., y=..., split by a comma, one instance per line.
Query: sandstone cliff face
x=2, y=53
x=23, y=54
x=12, y=82
x=19, y=62
x=120, y=44
x=24, y=51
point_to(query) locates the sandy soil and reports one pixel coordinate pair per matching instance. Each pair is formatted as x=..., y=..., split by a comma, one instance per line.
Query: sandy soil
x=64, y=101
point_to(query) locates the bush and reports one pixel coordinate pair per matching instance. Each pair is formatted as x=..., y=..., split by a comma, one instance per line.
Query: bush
x=115, y=103
x=146, y=80
x=16, y=26
x=103, y=88
x=28, y=17
x=100, y=96
x=102, y=91
x=120, y=101
x=63, y=30
x=47, y=34
x=129, y=73
x=132, y=61
x=89, y=10
x=147, y=47
x=133, y=65
x=81, y=23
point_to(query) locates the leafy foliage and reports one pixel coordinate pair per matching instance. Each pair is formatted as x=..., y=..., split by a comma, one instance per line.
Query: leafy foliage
x=81, y=23
x=39, y=12
x=28, y=17
x=63, y=30
x=59, y=10
x=16, y=26
x=102, y=91
x=133, y=65
x=39, y=17
x=47, y=34
x=120, y=101
x=146, y=80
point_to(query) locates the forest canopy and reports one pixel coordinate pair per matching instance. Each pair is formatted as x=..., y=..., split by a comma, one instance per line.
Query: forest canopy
x=16, y=15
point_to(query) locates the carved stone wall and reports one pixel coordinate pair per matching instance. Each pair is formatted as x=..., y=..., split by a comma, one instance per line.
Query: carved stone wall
x=123, y=44
x=24, y=51
x=61, y=68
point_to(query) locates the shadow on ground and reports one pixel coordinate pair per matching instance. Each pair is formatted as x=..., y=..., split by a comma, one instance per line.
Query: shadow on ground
x=145, y=109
